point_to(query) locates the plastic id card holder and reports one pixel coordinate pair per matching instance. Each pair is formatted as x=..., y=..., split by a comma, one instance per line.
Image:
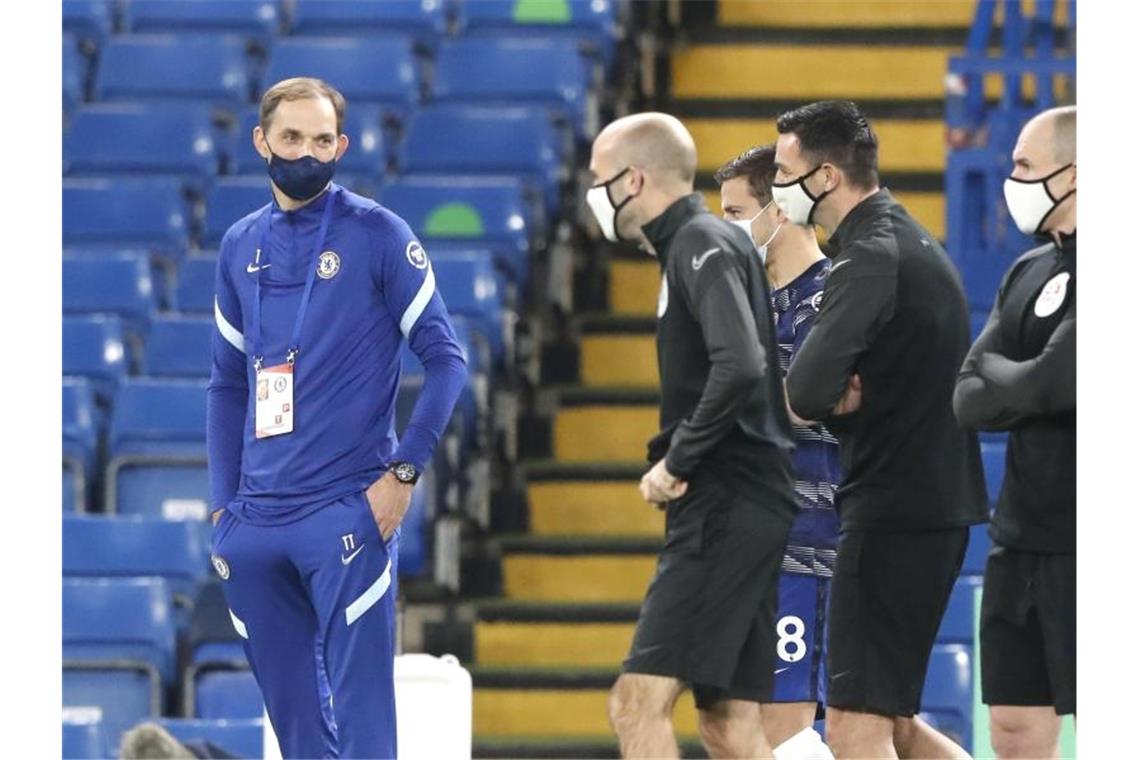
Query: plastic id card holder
x=274, y=408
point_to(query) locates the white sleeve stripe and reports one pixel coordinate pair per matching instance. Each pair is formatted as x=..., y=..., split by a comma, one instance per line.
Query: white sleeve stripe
x=418, y=304
x=232, y=335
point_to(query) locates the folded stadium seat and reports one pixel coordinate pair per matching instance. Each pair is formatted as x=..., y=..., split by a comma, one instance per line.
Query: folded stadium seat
x=124, y=213
x=80, y=442
x=947, y=697
x=227, y=694
x=130, y=547
x=360, y=170
x=118, y=648
x=195, y=289
x=94, y=347
x=993, y=462
x=74, y=74
x=240, y=738
x=381, y=69
x=466, y=280
x=137, y=139
x=211, y=638
x=958, y=621
x=424, y=20
x=516, y=71
x=83, y=737
x=416, y=535
x=202, y=69
x=118, y=284
x=157, y=450
x=978, y=549
x=485, y=212
x=502, y=142
x=91, y=21
x=178, y=345
x=254, y=19
x=593, y=24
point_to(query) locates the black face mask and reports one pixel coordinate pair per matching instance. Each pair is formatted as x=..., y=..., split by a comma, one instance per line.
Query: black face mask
x=300, y=178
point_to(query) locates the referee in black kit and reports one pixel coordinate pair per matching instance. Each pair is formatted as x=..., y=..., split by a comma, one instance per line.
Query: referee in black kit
x=722, y=461
x=879, y=366
x=1021, y=376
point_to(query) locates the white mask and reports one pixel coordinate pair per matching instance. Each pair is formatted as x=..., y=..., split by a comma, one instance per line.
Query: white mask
x=599, y=201
x=1030, y=202
x=746, y=225
x=794, y=199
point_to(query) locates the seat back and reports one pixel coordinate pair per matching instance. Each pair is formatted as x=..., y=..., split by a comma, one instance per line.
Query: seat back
x=229, y=200
x=947, y=694
x=958, y=620
x=89, y=20
x=83, y=737
x=124, y=212
x=94, y=347
x=258, y=18
x=141, y=139
x=122, y=696
x=119, y=285
x=179, y=346
x=230, y=694
x=993, y=462
x=374, y=70
x=203, y=68
x=425, y=20
x=195, y=291
x=157, y=416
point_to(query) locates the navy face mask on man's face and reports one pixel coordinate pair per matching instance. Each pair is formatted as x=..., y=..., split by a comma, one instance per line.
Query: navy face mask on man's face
x=300, y=178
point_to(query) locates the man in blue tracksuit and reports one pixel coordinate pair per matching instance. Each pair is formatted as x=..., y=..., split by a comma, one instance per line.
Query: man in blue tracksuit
x=316, y=292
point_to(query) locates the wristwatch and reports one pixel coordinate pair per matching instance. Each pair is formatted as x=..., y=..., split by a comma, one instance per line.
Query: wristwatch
x=405, y=472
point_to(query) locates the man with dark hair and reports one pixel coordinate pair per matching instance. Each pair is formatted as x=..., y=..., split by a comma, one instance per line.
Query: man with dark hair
x=797, y=271
x=1021, y=376
x=721, y=463
x=879, y=368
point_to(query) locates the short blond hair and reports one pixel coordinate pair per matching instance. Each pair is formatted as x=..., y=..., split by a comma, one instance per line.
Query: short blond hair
x=299, y=88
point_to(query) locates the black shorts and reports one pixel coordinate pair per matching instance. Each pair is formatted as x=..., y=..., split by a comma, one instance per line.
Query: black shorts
x=709, y=616
x=1029, y=630
x=888, y=595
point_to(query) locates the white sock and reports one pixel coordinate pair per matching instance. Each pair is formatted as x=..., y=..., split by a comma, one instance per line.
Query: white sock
x=806, y=745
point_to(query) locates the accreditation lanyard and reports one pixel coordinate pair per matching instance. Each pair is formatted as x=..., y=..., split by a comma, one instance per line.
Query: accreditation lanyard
x=255, y=318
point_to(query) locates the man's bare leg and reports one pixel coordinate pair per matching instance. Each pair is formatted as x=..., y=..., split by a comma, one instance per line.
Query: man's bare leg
x=1020, y=732
x=731, y=728
x=641, y=714
x=915, y=738
x=783, y=720
x=861, y=735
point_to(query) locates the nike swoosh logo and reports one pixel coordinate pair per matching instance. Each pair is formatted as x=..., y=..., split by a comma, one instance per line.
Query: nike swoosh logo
x=700, y=260
x=838, y=264
x=254, y=269
x=345, y=560
x=781, y=670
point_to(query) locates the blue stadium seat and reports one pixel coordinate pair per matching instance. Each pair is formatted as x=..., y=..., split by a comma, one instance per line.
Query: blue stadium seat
x=229, y=694
x=591, y=23
x=124, y=547
x=257, y=19
x=123, y=696
x=541, y=72
x=519, y=142
x=94, y=347
x=167, y=140
x=83, y=737
x=80, y=442
x=89, y=20
x=993, y=462
x=118, y=284
x=195, y=291
x=424, y=20
x=156, y=450
x=240, y=738
x=466, y=280
x=178, y=346
x=978, y=549
x=205, y=69
x=947, y=696
x=124, y=213
x=74, y=74
x=371, y=70
x=958, y=621
x=473, y=211
x=978, y=318
x=230, y=199
x=416, y=537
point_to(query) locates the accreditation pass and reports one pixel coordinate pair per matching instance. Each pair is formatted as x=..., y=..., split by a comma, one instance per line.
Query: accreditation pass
x=274, y=409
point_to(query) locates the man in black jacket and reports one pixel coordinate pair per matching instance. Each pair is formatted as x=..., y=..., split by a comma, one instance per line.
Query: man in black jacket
x=1021, y=376
x=879, y=368
x=722, y=459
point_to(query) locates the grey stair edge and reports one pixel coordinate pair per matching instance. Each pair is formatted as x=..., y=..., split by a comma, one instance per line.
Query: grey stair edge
x=553, y=470
x=564, y=612
x=579, y=545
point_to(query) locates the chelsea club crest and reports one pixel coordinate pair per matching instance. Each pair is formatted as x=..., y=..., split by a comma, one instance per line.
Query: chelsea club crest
x=328, y=265
x=221, y=566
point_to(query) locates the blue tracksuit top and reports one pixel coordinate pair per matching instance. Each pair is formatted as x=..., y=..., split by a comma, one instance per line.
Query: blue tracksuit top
x=375, y=291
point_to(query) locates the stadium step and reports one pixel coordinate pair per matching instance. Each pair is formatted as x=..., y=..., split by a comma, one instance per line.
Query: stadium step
x=577, y=568
x=826, y=14
x=589, y=500
x=563, y=635
x=570, y=703
x=605, y=427
x=619, y=352
x=634, y=285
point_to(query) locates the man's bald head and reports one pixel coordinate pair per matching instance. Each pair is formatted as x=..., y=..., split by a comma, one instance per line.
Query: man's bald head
x=1055, y=128
x=656, y=143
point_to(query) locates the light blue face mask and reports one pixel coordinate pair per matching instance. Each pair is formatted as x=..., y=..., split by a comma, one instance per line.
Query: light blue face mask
x=746, y=225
